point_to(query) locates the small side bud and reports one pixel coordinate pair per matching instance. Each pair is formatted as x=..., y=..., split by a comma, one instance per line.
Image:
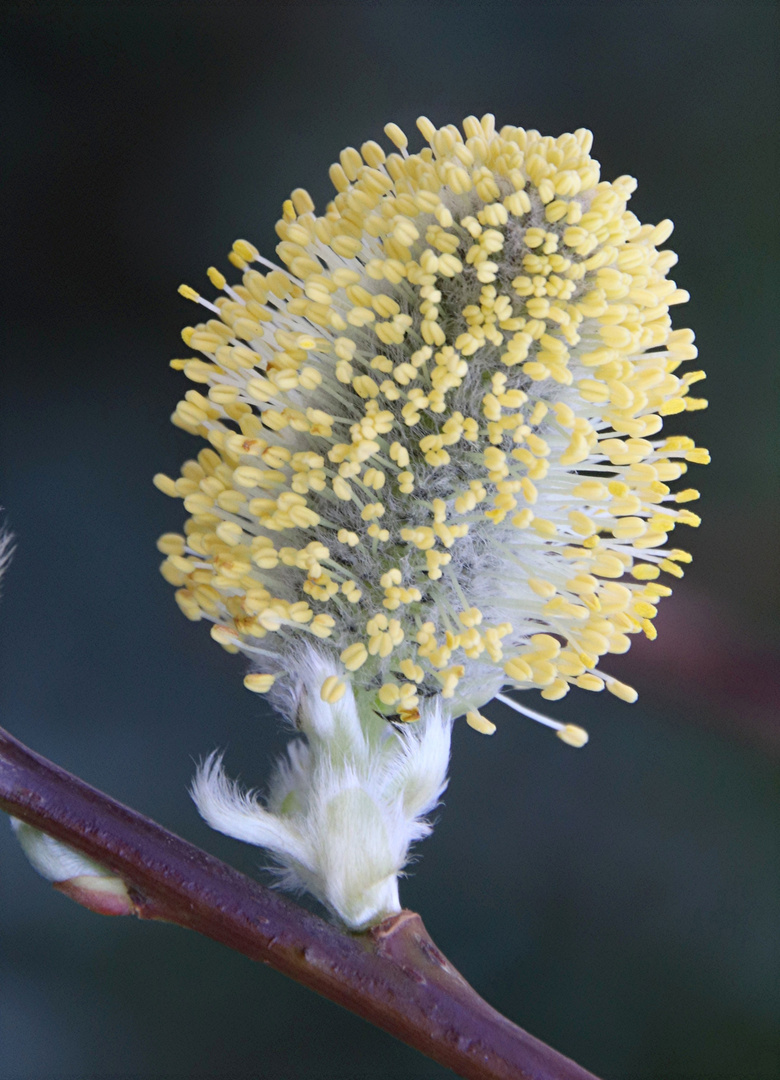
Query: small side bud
x=82, y=879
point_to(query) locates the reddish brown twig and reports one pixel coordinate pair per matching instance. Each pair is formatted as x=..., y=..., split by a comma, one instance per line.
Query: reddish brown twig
x=393, y=975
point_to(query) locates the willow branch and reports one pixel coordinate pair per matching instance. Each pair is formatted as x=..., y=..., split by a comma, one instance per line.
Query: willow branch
x=393, y=975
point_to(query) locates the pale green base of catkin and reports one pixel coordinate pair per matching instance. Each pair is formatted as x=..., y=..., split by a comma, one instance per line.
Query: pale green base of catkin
x=345, y=803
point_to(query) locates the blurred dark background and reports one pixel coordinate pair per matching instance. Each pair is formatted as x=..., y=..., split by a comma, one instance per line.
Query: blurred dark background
x=620, y=902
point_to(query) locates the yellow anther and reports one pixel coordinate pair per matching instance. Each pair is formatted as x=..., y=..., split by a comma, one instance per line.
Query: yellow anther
x=518, y=669
x=406, y=482
x=546, y=529
x=171, y=544
x=590, y=682
x=302, y=201
x=372, y=510
x=542, y=588
x=165, y=484
x=645, y=572
x=545, y=646
x=345, y=536
x=698, y=456
x=225, y=636
x=354, y=656
x=573, y=735
x=396, y=136
x=259, y=684
x=230, y=532
x=389, y=694
x=657, y=590
x=300, y=612
x=434, y=561
x=188, y=293
x=332, y=690
x=591, y=490
x=439, y=510
x=471, y=617
x=680, y=556
x=246, y=251
x=322, y=625
x=411, y=670
x=538, y=446
x=409, y=699
x=217, y=279
x=621, y=690
x=581, y=523
x=685, y=517
x=629, y=527
x=342, y=489
x=365, y=386
x=480, y=723
x=523, y=519
x=377, y=623
x=555, y=690
x=448, y=678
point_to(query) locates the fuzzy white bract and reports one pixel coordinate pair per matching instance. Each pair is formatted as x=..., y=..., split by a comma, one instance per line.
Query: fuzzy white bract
x=343, y=806
x=52, y=859
x=434, y=472
x=84, y=880
x=6, y=551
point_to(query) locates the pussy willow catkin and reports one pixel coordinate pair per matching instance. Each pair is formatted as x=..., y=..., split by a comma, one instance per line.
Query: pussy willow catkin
x=434, y=438
x=435, y=461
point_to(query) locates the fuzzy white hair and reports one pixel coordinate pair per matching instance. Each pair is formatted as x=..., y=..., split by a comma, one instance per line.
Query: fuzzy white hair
x=345, y=803
x=6, y=550
x=52, y=859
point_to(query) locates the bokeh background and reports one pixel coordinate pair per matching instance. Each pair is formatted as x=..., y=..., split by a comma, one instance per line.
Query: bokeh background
x=621, y=901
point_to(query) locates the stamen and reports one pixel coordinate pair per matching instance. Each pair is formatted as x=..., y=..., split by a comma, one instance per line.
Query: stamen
x=568, y=733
